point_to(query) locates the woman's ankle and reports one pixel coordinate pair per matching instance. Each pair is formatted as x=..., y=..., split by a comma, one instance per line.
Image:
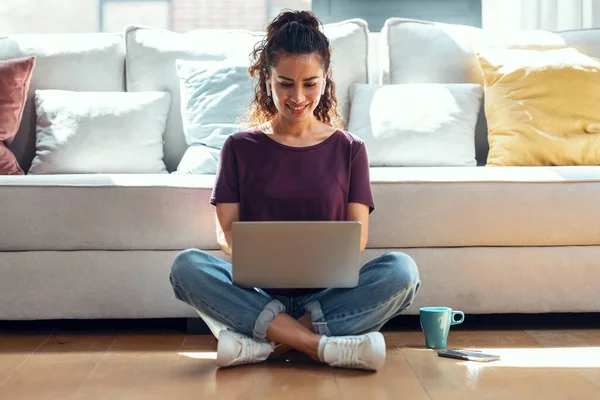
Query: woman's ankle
x=311, y=346
x=288, y=331
x=280, y=349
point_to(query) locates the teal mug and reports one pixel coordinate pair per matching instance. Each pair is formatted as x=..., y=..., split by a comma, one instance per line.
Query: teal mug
x=436, y=322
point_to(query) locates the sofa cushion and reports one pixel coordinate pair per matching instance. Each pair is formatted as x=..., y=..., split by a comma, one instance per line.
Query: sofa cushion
x=78, y=62
x=100, y=132
x=151, y=57
x=542, y=107
x=15, y=76
x=420, y=124
x=485, y=206
x=415, y=207
x=214, y=97
x=199, y=159
x=414, y=51
x=105, y=211
x=8, y=162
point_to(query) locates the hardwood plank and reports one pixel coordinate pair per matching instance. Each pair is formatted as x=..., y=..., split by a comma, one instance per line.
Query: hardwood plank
x=201, y=379
x=195, y=374
x=577, y=349
x=464, y=339
x=46, y=381
x=15, y=350
x=508, y=378
x=199, y=343
x=395, y=378
x=287, y=378
x=566, y=337
x=126, y=381
x=18, y=344
x=144, y=349
x=198, y=354
x=63, y=348
x=134, y=367
x=148, y=343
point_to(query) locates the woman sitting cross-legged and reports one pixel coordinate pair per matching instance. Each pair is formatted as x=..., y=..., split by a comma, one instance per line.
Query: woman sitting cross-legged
x=295, y=164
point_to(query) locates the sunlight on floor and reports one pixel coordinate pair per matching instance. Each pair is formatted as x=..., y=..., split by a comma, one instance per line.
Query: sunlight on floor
x=560, y=357
x=557, y=357
x=200, y=355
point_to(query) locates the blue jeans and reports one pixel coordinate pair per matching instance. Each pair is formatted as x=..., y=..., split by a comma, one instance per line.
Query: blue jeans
x=387, y=286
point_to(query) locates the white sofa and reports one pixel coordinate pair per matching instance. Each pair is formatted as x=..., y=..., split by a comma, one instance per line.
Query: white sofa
x=486, y=240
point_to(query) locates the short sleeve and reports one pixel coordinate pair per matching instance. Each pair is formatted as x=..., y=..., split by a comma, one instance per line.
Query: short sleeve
x=226, y=189
x=360, y=181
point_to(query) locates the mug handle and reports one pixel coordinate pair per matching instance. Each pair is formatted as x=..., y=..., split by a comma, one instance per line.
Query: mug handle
x=455, y=313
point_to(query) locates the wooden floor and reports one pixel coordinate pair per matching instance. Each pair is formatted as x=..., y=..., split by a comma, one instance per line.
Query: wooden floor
x=548, y=364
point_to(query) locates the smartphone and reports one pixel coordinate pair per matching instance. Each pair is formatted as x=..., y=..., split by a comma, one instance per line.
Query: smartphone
x=468, y=355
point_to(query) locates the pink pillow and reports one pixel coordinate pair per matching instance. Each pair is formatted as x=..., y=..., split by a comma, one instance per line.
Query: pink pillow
x=15, y=76
x=8, y=162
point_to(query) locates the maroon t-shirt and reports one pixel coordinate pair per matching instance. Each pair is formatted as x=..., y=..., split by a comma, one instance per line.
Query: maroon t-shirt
x=276, y=182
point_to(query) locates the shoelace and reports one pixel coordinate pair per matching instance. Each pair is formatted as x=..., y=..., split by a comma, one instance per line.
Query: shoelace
x=249, y=348
x=348, y=348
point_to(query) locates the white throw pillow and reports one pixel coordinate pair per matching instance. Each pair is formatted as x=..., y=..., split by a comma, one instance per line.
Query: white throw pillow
x=214, y=97
x=416, y=124
x=199, y=159
x=99, y=132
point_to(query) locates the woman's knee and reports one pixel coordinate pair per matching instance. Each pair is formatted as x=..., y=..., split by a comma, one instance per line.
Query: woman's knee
x=401, y=282
x=187, y=263
x=398, y=271
x=404, y=269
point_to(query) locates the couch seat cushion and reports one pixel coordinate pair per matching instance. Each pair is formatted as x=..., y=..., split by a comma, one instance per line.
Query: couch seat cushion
x=111, y=212
x=485, y=206
x=414, y=207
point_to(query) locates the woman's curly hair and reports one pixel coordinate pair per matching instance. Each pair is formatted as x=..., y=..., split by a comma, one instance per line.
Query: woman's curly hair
x=291, y=33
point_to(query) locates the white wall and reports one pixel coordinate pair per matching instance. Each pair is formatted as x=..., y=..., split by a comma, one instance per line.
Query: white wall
x=44, y=16
x=119, y=15
x=551, y=15
x=72, y=16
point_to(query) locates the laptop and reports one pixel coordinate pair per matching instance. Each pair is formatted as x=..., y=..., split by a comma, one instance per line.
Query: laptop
x=298, y=254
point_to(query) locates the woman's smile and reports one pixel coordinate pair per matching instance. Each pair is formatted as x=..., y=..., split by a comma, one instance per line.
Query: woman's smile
x=297, y=110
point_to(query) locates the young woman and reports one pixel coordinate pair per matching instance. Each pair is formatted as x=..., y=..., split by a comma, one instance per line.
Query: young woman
x=295, y=165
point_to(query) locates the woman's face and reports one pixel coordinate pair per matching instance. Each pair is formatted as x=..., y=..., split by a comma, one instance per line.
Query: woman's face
x=296, y=84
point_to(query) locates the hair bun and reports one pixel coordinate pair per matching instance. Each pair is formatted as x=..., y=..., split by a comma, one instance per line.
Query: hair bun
x=304, y=18
x=307, y=19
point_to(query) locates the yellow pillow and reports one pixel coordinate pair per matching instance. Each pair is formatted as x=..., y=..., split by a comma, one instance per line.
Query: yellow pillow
x=542, y=107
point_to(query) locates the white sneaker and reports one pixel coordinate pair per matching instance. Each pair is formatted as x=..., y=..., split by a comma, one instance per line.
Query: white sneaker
x=362, y=352
x=235, y=349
